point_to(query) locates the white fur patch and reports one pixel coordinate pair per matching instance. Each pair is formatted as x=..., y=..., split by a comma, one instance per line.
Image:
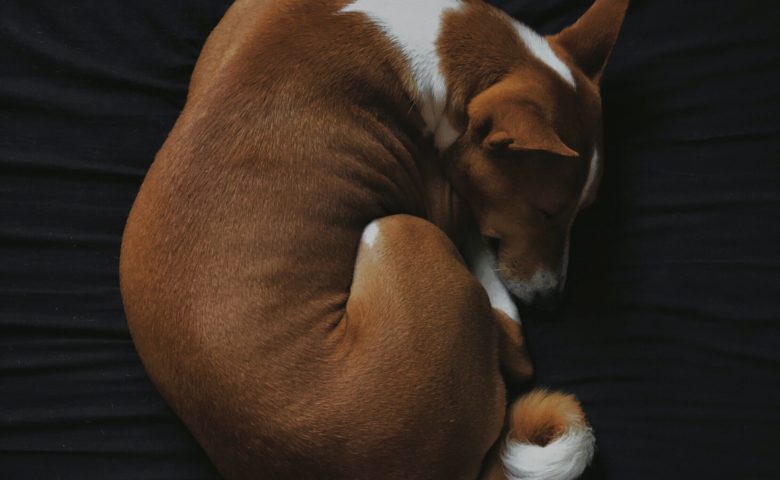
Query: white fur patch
x=541, y=49
x=564, y=268
x=483, y=266
x=591, y=179
x=370, y=234
x=414, y=26
x=445, y=135
x=562, y=459
x=542, y=281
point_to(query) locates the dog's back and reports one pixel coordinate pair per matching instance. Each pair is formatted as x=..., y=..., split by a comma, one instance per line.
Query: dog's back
x=286, y=149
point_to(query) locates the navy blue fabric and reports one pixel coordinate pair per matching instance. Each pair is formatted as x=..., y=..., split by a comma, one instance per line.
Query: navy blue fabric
x=670, y=331
x=88, y=91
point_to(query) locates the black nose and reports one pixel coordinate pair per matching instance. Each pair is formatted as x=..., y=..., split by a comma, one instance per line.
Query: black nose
x=548, y=300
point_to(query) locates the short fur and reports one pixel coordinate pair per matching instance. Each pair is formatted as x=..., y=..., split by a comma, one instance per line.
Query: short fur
x=290, y=348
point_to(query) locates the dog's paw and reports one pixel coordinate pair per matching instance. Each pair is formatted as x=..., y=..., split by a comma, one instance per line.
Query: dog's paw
x=549, y=438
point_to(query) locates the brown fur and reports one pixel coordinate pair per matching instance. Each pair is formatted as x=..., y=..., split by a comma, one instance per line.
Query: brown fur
x=540, y=417
x=289, y=353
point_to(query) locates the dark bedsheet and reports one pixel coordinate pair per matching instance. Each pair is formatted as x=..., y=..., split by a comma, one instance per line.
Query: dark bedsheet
x=670, y=333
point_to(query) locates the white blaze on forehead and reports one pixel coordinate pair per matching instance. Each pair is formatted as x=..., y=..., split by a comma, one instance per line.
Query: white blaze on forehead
x=540, y=48
x=483, y=266
x=414, y=26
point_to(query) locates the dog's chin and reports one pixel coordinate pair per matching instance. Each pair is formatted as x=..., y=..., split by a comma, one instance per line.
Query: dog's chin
x=541, y=291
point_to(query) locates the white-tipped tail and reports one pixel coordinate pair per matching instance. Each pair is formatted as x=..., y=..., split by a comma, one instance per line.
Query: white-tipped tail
x=565, y=458
x=549, y=438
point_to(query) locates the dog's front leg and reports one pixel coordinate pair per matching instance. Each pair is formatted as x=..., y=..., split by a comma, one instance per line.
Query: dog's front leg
x=513, y=354
x=546, y=434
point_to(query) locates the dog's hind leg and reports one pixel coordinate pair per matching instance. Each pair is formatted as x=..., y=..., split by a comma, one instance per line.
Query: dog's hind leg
x=421, y=352
x=425, y=350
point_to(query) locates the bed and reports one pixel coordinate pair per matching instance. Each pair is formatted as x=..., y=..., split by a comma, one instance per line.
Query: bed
x=670, y=328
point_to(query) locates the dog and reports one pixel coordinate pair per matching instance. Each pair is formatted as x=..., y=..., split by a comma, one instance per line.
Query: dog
x=319, y=267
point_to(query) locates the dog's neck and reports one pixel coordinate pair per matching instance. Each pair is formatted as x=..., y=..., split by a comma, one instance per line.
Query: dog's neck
x=417, y=37
x=444, y=66
x=441, y=76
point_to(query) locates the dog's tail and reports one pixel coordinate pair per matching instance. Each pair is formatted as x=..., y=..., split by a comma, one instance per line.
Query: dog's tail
x=548, y=439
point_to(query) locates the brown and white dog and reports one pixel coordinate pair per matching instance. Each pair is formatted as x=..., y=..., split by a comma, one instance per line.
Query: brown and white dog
x=292, y=268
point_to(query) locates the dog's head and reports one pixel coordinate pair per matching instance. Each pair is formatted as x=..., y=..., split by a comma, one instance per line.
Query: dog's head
x=530, y=159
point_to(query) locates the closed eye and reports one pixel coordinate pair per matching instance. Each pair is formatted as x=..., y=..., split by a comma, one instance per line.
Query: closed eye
x=551, y=212
x=547, y=214
x=493, y=244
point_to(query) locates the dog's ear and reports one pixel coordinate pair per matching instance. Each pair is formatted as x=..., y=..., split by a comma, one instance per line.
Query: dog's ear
x=515, y=126
x=591, y=39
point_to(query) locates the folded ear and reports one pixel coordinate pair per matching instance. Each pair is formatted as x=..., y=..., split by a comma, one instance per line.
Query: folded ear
x=518, y=127
x=590, y=40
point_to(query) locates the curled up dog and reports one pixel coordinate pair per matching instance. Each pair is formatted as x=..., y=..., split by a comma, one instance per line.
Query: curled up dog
x=293, y=268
